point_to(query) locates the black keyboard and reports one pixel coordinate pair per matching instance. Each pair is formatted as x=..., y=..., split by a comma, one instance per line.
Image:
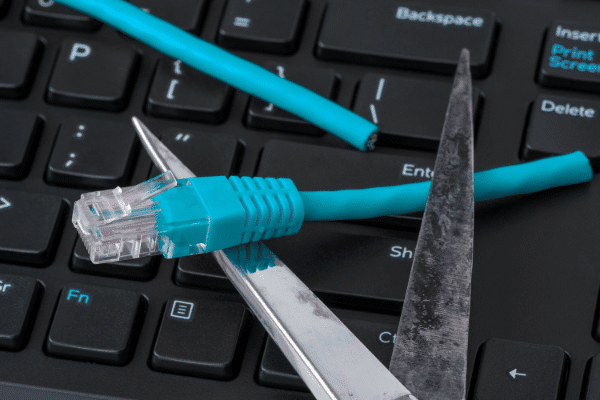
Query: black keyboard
x=176, y=329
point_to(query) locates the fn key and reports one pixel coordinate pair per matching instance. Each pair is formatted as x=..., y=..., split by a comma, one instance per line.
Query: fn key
x=94, y=323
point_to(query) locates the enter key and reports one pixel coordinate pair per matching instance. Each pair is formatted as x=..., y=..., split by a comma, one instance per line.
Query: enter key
x=560, y=125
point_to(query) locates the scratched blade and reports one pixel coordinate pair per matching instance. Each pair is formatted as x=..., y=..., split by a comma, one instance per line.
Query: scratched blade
x=430, y=352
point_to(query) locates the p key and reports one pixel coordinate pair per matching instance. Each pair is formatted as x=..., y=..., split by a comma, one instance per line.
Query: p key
x=93, y=75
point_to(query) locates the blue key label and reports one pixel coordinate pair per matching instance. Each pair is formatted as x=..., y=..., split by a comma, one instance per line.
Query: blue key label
x=76, y=295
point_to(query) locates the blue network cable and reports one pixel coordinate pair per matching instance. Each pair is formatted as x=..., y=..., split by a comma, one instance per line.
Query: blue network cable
x=198, y=215
x=231, y=69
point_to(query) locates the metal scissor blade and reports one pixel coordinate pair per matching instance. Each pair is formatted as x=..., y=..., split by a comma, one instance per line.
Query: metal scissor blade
x=430, y=351
x=333, y=363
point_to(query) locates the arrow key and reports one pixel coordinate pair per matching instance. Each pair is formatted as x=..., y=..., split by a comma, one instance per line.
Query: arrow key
x=520, y=371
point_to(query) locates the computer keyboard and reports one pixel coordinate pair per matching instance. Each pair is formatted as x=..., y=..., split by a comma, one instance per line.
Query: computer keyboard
x=176, y=329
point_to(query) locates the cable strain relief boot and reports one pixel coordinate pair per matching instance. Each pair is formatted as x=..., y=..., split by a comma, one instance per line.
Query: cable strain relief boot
x=273, y=207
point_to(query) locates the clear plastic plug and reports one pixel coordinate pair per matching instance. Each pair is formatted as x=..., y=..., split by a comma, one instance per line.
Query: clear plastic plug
x=120, y=224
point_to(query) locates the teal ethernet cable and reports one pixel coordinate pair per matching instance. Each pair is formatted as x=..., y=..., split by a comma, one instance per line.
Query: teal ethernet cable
x=198, y=215
x=231, y=69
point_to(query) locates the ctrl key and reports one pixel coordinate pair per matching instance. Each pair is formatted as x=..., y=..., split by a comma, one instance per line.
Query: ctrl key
x=18, y=299
x=94, y=323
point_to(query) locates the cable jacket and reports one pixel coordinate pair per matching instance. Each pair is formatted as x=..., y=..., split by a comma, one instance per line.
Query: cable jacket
x=511, y=180
x=229, y=68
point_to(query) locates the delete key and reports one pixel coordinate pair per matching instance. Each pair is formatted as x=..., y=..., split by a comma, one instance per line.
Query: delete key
x=560, y=125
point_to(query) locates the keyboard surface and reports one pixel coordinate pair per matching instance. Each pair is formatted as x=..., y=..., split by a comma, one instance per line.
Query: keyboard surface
x=176, y=329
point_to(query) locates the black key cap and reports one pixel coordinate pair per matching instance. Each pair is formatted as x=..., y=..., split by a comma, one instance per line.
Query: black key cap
x=3, y=7
x=520, y=371
x=19, y=56
x=18, y=300
x=200, y=338
x=409, y=112
x=201, y=271
x=181, y=92
x=266, y=116
x=48, y=13
x=591, y=390
x=560, y=125
x=92, y=153
x=93, y=75
x=186, y=14
x=20, y=130
x=570, y=57
x=271, y=26
x=407, y=35
x=141, y=269
x=29, y=226
x=324, y=168
x=343, y=268
x=205, y=154
x=94, y=323
x=275, y=370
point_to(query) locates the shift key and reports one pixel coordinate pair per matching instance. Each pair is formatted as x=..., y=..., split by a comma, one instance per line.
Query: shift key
x=407, y=35
x=560, y=125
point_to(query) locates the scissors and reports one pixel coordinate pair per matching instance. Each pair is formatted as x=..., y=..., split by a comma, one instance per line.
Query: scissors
x=429, y=356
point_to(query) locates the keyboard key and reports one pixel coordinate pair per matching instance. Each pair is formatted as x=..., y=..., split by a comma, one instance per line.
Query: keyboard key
x=19, y=56
x=275, y=370
x=419, y=121
x=181, y=92
x=186, y=14
x=264, y=115
x=407, y=35
x=560, y=125
x=141, y=269
x=325, y=168
x=342, y=268
x=18, y=300
x=93, y=75
x=92, y=153
x=205, y=154
x=94, y=323
x=30, y=225
x=520, y=371
x=591, y=390
x=271, y=26
x=200, y=338
x=569, y=57
x=201, y=271
x=20, y=130
x=53, y=15
x=3, y=7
